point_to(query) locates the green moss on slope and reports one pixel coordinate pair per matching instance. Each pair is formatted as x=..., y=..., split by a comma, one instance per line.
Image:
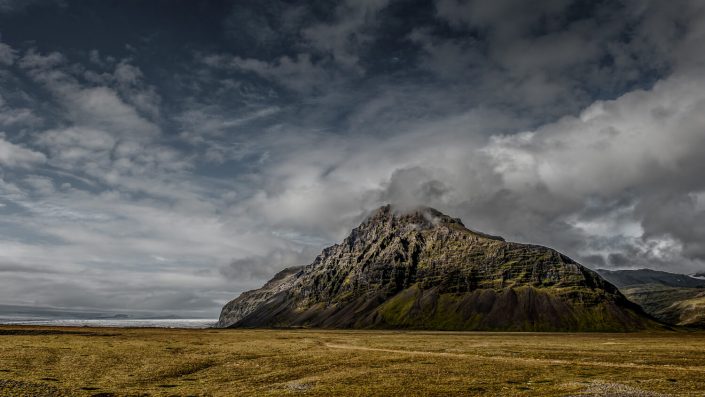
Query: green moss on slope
x=520, y=309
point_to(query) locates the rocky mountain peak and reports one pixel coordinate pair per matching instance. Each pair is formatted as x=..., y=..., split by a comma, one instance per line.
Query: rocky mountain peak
x=419, y=268
x=403, y=219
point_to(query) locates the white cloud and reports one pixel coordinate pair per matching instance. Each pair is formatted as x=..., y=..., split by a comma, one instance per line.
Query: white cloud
x=40, y=184
x=13, y=116
x=130, y=83
x=13, y=155
x=33, y=60
x=644, y=147
x=607, y=148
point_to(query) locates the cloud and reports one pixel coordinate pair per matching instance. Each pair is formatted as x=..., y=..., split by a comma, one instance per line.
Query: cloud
x=7, y=54
x=488, y=14
x=414, y=187
x=11, y=116
x=107, y=138
x=115, y=201
x=339, y=33
x=96, y=106
x=611, y=143
x=297, y=73
x=12, y=155
x=554, y=58
x=328, y=47
x=263, y=267
x=350, y=32
x=130, y=83
x=644, y=147
x=134, y=179
x=34, y=60
x=40, y=184
x=578, y=184
x=676, y=218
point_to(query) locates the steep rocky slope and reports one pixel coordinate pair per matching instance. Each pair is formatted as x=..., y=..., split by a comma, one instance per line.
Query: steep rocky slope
x=424, y=270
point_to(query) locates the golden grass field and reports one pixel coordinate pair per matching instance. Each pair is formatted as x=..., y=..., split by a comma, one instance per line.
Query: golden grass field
x=44, y=361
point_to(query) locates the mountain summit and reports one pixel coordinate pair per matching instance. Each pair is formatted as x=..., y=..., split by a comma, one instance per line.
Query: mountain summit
x=422, y=269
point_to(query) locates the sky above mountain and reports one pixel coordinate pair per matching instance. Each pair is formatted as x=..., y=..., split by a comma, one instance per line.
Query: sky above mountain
x=166, y=155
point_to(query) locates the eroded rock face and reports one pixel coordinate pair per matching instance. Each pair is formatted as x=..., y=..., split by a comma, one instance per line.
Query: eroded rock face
x=425, y=270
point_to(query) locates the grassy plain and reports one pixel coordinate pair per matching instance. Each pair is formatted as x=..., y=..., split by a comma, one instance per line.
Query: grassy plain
x=42, y=361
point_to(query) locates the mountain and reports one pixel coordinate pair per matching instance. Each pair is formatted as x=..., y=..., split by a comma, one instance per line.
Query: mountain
x=422, y=269
x=689, y=311
x=673, y=298
x=626, y=278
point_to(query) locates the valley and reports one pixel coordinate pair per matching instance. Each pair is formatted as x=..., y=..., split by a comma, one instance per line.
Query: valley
x=672, y=298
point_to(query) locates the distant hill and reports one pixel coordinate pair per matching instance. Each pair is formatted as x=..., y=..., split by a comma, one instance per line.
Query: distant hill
x=422, y=269
x=625, y=278
x=9, y=313
x=673, y=298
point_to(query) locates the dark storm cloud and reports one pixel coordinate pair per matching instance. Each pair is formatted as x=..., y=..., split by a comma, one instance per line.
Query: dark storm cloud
x=550, y=57
x=678, y=216
x=264, y=266
x=174, y=161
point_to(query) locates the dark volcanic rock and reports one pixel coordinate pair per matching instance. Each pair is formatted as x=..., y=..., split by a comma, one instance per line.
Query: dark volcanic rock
x=425, y=270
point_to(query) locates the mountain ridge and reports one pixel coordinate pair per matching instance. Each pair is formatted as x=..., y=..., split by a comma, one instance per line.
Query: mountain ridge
x=629, y=277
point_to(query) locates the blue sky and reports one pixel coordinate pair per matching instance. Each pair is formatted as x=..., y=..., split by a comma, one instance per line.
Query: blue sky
x=166, y=155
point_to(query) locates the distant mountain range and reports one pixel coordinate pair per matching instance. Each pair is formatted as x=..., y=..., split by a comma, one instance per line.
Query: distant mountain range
x=676, y=299
x=422, y=269
x=630, y=278
x=9, y=313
